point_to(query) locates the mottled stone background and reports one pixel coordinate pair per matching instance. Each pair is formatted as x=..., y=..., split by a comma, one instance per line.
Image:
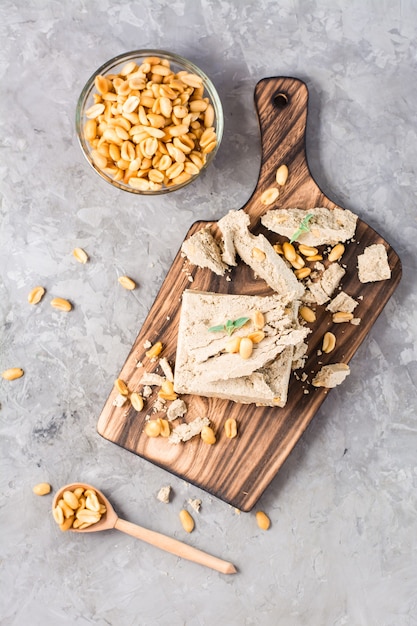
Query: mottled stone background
x=342, y=546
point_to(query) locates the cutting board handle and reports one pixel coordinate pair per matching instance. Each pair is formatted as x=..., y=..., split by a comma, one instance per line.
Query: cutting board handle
x=281, y=105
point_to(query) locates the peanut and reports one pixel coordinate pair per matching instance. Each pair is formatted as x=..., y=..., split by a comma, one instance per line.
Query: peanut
x=153, y=428
x=257, y=336
x=232, y=346
x=136, y=401
x=207, y=435
x=342, y=316
x=165, y=427
x=80, y=255
x=42, y=489
x=230, y=428
x=269, y=196
x=155, y=350
x=61, y=304
x=258, y=254
x=36, y=295
x=336, y=252
x=121, y=387
x=303, y=272
x=262, y=520
x=58, y=515
x=307, y=314
x=245, y=348
x=12, y=373
x=127, y=282
x=289, y=251
x=258, y=320
x=329, y=342
x=186, y=521
x=70, y=499
x=281, y=175
x=307, y=250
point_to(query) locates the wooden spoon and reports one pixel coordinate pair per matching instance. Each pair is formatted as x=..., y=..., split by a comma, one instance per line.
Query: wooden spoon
x=110, y=520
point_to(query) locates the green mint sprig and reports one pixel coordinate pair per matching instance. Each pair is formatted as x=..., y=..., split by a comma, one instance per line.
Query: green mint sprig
x=230, y=326
x=303, y=228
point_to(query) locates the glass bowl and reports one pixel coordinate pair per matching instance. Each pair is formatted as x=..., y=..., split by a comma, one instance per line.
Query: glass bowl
x=149, y=121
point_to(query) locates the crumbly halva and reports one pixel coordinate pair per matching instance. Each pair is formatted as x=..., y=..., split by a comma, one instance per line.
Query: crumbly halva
x=202, y=249
x=188, y=430
x=327, y=226
x=176, y=409
x=331, y=375
x=373, y=264
x=321, y=291
x=204, y=368
x=271, y=267
x=342, y=302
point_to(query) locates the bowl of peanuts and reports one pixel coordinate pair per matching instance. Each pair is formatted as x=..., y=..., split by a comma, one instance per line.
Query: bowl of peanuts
x=149, y=121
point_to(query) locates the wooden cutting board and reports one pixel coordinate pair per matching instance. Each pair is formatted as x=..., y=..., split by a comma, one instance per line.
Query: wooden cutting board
x=239, y=470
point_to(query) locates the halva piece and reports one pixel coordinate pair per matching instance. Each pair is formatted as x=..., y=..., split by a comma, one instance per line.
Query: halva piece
x=326, y=226
x=373, y=264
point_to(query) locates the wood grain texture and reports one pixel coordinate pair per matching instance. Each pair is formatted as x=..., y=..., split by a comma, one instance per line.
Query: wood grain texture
x=239, y=470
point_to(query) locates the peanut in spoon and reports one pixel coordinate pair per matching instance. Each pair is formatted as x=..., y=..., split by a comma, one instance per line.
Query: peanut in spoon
x=107, y=518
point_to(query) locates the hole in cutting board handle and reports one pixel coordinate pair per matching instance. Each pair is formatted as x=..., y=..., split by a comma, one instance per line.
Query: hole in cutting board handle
x=280, y=100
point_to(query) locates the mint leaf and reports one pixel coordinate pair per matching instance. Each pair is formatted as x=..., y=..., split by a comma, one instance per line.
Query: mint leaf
x=230, y=326
x=303, y=228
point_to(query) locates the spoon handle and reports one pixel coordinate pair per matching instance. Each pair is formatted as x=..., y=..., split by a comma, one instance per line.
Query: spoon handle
x=175, y=547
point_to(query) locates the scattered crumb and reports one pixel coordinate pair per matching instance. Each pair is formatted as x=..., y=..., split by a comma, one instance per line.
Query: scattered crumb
x=139, y=364
x=166, y=368
x=119, y=400
x=190, y=278
x=147, y=345
x=150, y=379
x=195, y=504
x=147, y=391
x=184, y=432
x=177, y=408
x=159, y=405
x=356, y=321
x=164, y=494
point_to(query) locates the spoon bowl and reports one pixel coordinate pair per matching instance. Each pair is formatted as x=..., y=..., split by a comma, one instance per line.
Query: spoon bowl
x=110, y=520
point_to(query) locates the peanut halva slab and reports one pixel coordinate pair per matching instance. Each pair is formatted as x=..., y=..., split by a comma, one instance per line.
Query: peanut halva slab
x=204, y=368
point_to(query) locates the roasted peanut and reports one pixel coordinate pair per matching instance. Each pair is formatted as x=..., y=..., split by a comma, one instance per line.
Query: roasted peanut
x=258, y=319
x=303, y=272
x=257, y=336
x=165, y=429
x=245, y=348
x=136, y=401
x=127, y=283
x=155, y=350
x=70, y=499
x=207, y=435
x=80, y=255
x=232, y=346
x=329, y=342
x=230, y=428
x=186, y=521
x=263, y=520
x=307, y=314
x=336, y=252
x=42, y=489
x=281, y=175
x=153, y=428
x=342, y=316
x=61, y=304
x=36, y=295
x=307, y=250
x=269, y=196
x=12, y=373
x=121, y=387
x=258, y=254
x=289, y=251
